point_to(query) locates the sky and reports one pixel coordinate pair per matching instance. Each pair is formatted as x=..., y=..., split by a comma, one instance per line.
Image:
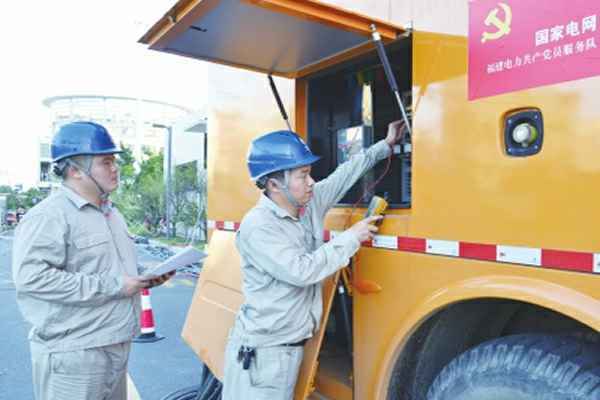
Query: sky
x=60, y=47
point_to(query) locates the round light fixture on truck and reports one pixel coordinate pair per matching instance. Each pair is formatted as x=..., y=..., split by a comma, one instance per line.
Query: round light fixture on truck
x=523, y=132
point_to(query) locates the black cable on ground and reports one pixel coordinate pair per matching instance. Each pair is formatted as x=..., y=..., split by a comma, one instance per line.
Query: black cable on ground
x=209, y=389
x=189, y=393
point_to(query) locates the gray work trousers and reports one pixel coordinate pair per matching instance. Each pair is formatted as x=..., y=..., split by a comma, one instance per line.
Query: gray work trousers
x=272, y=374
x=99, y=373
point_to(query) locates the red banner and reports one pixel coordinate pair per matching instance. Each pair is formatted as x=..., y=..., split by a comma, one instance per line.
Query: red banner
x=520, y=44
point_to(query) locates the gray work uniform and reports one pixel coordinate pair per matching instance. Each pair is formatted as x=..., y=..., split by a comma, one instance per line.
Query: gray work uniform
x=69, y=257
x=284, y=261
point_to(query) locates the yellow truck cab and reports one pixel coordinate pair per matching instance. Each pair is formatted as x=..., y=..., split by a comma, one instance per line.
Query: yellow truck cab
x=489, y=251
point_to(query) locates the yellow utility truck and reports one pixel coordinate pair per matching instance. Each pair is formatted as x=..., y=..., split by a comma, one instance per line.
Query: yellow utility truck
x=484, y=274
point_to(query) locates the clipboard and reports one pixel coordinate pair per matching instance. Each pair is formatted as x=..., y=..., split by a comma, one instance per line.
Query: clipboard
x=188, y=255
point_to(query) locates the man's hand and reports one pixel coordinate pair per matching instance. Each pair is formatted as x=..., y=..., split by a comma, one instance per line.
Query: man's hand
x=365, y=229
x=396, y=131
x=133, y=284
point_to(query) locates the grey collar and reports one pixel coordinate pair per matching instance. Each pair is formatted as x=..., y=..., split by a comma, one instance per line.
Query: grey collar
x=266, y=202
x=75, y=198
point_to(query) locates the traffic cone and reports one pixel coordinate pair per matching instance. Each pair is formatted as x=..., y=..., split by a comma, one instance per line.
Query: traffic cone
x=148, y=334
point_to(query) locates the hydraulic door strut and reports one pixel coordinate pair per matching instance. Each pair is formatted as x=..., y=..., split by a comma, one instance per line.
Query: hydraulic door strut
x=279, y=103
x=389, y=74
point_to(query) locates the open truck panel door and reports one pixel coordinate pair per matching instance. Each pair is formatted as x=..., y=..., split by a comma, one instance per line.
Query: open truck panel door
x=218, y=297
x=288, y=38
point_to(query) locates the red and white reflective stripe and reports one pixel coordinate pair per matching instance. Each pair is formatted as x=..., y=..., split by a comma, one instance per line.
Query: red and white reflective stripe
x=148, y=325
x=442, y=247
x=545, y=258
x=519, y=255
x=146, y=305
x=222, y=225
x=147, y=318
x=385, y=242
x=229, y=225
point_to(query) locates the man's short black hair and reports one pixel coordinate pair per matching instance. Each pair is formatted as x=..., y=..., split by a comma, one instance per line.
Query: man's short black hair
x=261, y=183
x=80, y=161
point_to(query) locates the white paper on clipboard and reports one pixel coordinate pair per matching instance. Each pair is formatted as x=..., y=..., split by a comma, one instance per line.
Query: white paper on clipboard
x=187, y=256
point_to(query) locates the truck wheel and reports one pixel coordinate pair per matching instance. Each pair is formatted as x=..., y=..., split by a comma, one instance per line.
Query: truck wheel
x=522, y=367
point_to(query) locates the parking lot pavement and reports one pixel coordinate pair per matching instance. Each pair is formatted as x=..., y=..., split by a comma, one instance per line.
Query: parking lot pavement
x=155, y=368
x=160, y=368
x=15, y=366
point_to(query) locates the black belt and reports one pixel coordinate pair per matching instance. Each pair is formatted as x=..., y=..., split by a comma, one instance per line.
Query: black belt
x=297, y=344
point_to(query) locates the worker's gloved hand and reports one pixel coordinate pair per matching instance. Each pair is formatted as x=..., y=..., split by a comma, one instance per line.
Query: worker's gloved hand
x=133, y=284
x=365, y=229
x=396, y=131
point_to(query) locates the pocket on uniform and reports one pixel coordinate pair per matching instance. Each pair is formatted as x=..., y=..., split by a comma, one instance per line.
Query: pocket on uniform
x=267, y=369
x=292, y=358
x=89, y=241
x=91, y=251
x=80, y=362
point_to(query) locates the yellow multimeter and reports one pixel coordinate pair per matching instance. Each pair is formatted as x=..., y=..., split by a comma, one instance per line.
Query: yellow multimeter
x=377, y=206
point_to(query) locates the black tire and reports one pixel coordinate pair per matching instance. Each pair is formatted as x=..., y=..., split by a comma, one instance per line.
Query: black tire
x=522, y=367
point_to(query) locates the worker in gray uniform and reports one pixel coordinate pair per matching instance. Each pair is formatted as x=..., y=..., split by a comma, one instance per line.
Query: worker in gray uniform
x=75, y=273
x=284, y=261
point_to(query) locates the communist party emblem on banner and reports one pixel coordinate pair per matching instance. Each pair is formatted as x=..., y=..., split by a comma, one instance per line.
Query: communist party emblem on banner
x=521, y=44
x=502, y=26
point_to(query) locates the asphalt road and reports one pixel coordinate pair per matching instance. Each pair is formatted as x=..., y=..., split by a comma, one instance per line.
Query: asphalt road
x=156, y=369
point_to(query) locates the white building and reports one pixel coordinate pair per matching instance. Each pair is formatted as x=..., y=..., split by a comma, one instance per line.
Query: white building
x=188, y=146
x=132, y=122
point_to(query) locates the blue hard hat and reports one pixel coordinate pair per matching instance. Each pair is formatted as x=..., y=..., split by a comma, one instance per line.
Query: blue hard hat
x=278, y=151
x=81, y=138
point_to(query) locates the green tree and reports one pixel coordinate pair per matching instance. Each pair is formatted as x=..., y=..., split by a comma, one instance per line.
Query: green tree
x=142, y=198
x=126, y=162
x=150, y=189
x=12, y=202
x=31, y=197
x=25, y=199
x=184, y=201
x=11, y=198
